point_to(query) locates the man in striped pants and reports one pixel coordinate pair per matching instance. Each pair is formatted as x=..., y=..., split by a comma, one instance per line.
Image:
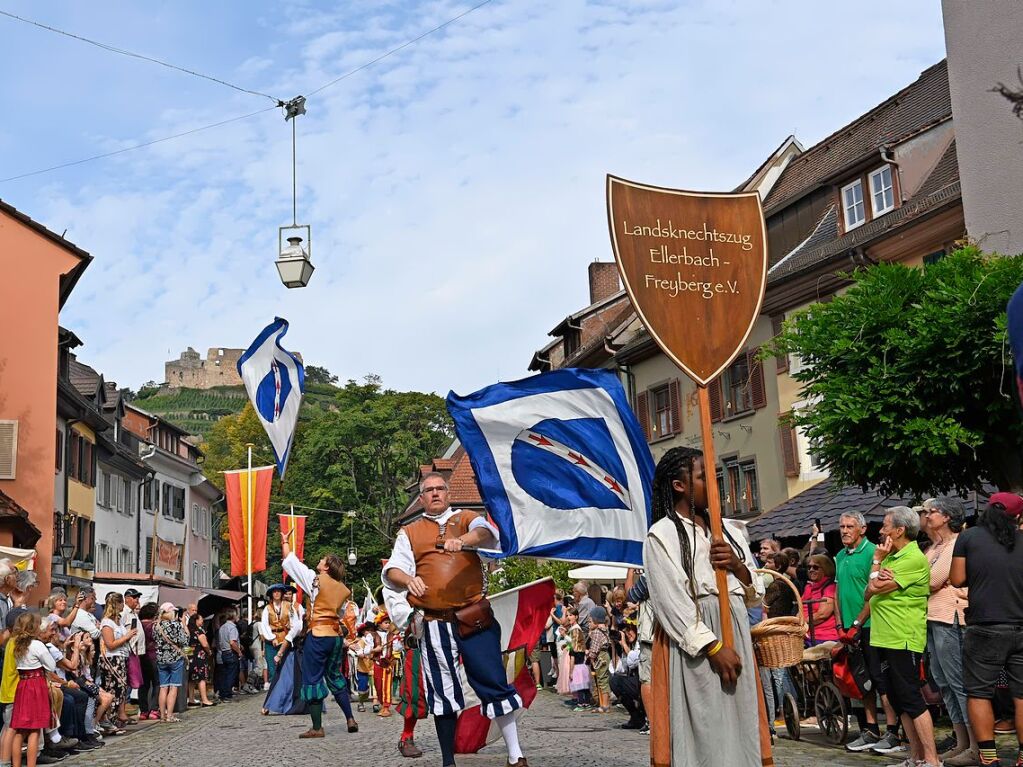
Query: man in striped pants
x=435, y=561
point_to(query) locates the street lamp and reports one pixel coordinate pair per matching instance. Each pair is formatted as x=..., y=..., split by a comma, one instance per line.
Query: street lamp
x=67, y=547
x=353, y=553
x=293, y=262
x=294, y=265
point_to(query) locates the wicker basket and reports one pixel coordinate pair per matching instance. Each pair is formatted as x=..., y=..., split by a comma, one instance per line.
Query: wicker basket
x=778, y=642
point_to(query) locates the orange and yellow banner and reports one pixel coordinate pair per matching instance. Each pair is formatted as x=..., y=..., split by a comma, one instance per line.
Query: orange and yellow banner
x=237, y=490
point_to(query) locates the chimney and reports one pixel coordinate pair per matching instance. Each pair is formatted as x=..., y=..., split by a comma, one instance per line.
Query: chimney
x=603, y=280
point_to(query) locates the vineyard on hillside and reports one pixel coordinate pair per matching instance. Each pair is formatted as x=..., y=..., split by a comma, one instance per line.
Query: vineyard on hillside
x=196, y=410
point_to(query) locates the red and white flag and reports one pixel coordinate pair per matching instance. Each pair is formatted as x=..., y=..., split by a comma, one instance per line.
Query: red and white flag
x=522, y=613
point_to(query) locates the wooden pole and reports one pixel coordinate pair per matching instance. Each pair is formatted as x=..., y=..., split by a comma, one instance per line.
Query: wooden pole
x=248, y=532
x=714, y=509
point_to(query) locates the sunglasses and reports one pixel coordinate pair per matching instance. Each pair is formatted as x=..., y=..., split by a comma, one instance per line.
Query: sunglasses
x=814, y=567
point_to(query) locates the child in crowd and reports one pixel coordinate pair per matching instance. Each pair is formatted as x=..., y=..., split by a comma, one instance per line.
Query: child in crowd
x=598, y=654
x=580, y=686
x=363, y=649
x=32, y=696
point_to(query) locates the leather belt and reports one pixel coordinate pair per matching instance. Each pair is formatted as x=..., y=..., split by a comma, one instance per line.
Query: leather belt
x=448, y=616
x=332, y=622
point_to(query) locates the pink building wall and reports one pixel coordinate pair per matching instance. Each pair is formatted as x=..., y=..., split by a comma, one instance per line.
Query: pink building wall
x=30, y=270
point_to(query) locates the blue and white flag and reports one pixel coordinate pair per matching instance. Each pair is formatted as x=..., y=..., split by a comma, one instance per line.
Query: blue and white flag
x=562, y=465
x=275, y=381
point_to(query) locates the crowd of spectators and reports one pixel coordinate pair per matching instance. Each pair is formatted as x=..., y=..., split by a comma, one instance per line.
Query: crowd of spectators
x=78, y=672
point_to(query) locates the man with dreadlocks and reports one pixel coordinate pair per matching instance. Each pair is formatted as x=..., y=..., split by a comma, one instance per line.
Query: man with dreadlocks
x=705, y=684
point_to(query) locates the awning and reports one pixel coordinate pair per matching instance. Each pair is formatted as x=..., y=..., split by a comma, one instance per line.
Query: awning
x=828, y=502
x=231, y=596
x=598, y=573
x=179, y=597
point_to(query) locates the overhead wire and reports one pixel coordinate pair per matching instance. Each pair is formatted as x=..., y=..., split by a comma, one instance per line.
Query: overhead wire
x=132, y=54
x=404, y=45
x=137, y=146
x=277, y=102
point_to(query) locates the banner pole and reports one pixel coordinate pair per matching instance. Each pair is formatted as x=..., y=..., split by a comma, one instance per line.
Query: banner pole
x=248, y=532
x=714, y=510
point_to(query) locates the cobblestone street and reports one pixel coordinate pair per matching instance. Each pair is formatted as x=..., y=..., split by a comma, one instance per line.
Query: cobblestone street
x=234, y=735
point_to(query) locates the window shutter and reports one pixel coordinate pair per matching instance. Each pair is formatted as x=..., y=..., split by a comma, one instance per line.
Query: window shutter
x=149, y=555
x=8, y=449
x=59, y=452
x=675, y=401
x=714, y=391
x=758, y=392
x=789, y=452
x=782, y=360
x=643, y=413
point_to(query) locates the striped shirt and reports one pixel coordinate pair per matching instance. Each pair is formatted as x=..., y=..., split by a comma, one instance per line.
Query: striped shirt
x=946, y=601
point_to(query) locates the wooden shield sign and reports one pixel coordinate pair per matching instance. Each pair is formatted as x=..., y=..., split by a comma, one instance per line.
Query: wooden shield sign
x=695, y=267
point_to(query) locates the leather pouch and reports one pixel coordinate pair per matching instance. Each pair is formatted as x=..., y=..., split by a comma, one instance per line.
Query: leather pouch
x=475, y=618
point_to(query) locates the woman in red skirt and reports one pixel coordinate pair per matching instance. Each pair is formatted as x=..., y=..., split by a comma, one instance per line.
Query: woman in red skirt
x=32, y=697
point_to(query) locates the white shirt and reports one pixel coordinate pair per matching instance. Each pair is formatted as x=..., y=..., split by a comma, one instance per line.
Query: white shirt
x=670, y=596
x=403, y=559
x=36, y=656
x=138, y=644
x=398, y=607
x=268, y=635
x=57, y=656
x=119, y=631
x=302, y=575
x=85, y=621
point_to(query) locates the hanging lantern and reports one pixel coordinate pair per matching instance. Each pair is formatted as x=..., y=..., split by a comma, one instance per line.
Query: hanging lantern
x=293, y=263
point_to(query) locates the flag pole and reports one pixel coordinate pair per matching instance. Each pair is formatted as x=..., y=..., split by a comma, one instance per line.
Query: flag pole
x=714, y=511
x=248, y=531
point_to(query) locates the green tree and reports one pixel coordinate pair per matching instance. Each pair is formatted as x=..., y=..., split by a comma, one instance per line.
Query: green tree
x=518, y=571
x=318, y=375
x=910, y=377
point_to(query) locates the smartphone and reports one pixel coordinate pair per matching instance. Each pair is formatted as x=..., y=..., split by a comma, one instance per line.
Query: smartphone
x=134, y=623
x=820, y=530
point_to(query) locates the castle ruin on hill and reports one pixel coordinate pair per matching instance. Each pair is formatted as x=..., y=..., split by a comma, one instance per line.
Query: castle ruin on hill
x=191, y=371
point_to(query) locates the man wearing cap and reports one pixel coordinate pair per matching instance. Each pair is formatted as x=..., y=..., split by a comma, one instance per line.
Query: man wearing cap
x=278, y=627
x=988, y=559
x=435, y=562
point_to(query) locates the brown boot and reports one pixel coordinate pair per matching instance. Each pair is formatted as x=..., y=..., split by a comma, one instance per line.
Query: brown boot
x=520, y=763
x=385, y=711
x=311, y=733
x=409, y=749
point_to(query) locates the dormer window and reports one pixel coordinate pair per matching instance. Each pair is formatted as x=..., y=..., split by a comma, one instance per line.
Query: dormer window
x=882, y=193
x=852, y=204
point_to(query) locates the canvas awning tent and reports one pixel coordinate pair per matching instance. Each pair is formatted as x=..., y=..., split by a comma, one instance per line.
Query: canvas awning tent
x=598, y=574
x=160, y=589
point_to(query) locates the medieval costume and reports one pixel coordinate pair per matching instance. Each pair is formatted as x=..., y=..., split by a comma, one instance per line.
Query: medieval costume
x=412, y=687
x=323, y=649
x=383, y=664
x=279, y=626
x=455, y=582
x=687, y=732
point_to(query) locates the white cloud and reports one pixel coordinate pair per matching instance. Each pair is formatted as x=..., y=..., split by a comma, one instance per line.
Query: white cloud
x=455, y=190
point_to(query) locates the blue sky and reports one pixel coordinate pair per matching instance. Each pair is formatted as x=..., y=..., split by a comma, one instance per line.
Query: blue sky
x=455, y=190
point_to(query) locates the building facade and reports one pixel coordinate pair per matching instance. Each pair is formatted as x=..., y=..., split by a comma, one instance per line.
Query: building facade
x=884, y=188
x=40, y=269
x=165, y=544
